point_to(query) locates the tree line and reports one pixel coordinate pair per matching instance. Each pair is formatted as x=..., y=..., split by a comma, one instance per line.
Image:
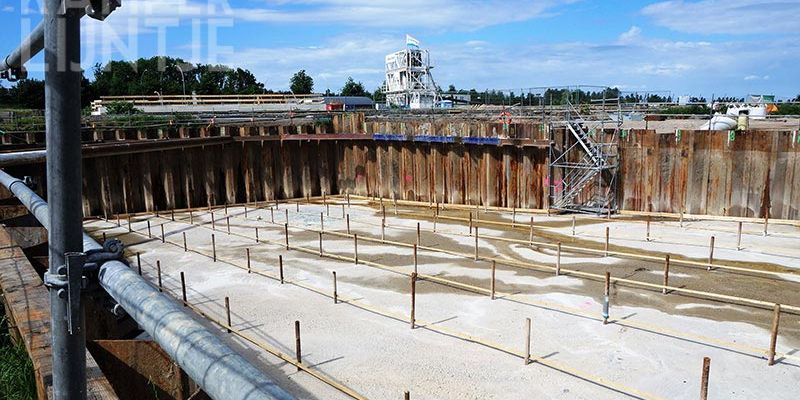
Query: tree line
x=165, y=76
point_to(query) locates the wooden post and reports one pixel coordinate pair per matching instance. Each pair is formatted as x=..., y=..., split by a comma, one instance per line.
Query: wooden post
x=476, y=244
x=343, y=211
x=394, y=199
x=228, y=313
x=335, y=292
x=228, y=222
x=530, y=235
x=183, y=289
x=419, y=235
x=245, y=212
x=119, y=223
x=608, y=234
x=573, y=225
x=296, y=207
x=527, y=341
x=470, y=223
x=607, y=293
x=172, y=215
x=739, y=237
x=322, y=222
x=666, y=274
x=383, y=209
x=280, y=267
x=494, y=270
x=286, y=233
x=681, y=219
x=406, y=395
x=413, y=297
x=766, y=224
x=158, y=272
x=286, y=215
x=185, y=249
x=704, y=378
x=104, y=238
x=130, y=225
x=773, y=341
x=513, y=217
x=297, y=343
x=149, y=233
x=347, y=219
x=213, y=222
x=163, y=239
x=139, y=263
x=226, y=208
x=558, y=259
x=320, y=244
x=355, y=248
x=214, y=247
x=257, y=240
x=348, y=199
x=711, y=253
x=435, y=221
x=272, y=215
x=415, y=258
x=647, y=238
x=383, y=229
x=247, y=251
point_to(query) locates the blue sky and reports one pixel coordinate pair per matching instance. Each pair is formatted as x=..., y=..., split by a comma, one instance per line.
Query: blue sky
x=699, y=47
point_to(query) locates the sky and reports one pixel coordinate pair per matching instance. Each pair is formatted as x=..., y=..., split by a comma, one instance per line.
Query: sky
x=686, y=47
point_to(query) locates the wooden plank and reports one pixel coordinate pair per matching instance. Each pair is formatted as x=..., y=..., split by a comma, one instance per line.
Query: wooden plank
x=27, y=303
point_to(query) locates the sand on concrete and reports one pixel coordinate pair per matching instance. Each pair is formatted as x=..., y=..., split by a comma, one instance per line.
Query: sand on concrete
x=379, y=356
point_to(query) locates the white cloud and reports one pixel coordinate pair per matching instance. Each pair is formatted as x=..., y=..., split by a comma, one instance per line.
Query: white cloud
x=756, y=78
x=8, y=9
x=726, y=16
x=631, y=35
x=461, y=15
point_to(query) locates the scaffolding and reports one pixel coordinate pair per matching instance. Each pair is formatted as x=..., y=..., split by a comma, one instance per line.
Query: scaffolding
x=583, y=166
x=409, y=82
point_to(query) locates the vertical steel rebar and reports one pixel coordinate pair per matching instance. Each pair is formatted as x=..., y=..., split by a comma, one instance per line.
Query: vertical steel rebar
x=64, y=182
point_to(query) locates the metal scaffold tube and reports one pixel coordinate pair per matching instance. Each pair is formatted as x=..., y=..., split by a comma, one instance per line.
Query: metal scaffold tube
x=212, y=364
x=62, y=34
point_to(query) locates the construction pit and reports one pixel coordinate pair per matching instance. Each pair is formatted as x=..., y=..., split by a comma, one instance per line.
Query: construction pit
x=477, y=302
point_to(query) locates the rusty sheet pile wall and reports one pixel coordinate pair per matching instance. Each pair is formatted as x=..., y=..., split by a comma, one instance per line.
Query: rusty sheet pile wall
x=700, y=172
x=716, y=173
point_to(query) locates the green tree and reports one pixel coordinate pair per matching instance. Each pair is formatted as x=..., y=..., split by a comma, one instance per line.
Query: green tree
x=163, y=75
x=27, y=93
x=353, y=88
x=451, y=88
x=378, y=94
x=302, y=83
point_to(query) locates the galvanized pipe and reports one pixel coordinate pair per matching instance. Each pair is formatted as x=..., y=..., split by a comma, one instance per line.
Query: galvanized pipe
x=215, y=366
x=22, y=158
x=29, y=47
x=62, y=44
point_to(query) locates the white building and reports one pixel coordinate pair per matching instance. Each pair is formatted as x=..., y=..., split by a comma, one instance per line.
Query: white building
x=409, y=83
